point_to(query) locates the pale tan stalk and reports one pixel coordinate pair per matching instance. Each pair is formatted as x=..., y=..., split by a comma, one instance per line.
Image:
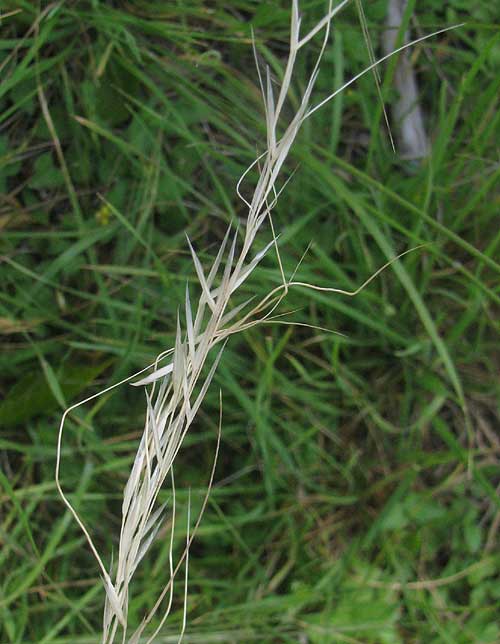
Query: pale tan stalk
x=179, y=387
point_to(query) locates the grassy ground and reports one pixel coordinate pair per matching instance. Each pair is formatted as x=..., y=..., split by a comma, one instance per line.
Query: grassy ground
x=356, y=495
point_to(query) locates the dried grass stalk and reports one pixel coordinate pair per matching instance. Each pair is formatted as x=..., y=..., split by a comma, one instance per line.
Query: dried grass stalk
x=179, y=387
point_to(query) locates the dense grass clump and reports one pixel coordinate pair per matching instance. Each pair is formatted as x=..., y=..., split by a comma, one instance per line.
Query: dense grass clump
x=355, y=495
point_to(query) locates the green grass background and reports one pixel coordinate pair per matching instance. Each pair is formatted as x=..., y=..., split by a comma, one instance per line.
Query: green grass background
x=356, y=493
